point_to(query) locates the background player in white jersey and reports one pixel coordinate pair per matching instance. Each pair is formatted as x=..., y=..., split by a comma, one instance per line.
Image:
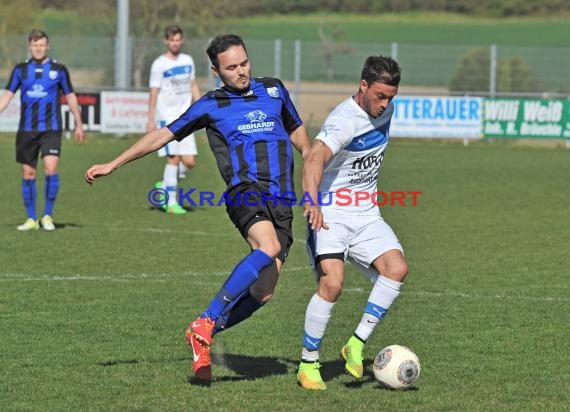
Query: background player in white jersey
x=172, y=90
x=347, y=154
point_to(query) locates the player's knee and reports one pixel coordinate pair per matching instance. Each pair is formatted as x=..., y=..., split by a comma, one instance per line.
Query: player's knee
x=271, y=247
x=50, y=171
x=262, y=297
x=29, y=174
x=397, y=271
x=330, y=290
x=189, y=163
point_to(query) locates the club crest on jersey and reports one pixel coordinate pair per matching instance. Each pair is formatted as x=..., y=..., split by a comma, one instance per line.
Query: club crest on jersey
x=256, y=116
x=52, y=74
x=273, y=92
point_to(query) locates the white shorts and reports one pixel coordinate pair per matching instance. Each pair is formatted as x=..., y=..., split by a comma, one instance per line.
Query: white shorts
x=361, y=239
x=186, y=146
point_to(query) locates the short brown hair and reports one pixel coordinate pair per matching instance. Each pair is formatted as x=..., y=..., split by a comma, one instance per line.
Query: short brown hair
x=37, y=34
x=172, y=30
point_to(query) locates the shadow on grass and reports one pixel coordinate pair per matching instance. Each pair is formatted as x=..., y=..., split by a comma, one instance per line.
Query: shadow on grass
x=248, y=367
x=188, y=209
x=57, y=226
x=67, y=225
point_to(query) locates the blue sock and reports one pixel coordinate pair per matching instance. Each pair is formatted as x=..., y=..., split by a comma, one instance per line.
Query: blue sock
x=29, y=196
x=242, y=277
x=51, y=187
x=241, y=309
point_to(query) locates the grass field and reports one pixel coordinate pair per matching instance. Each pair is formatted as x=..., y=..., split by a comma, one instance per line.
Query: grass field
x=413, y=28
x=406, y=28
x=93, y=314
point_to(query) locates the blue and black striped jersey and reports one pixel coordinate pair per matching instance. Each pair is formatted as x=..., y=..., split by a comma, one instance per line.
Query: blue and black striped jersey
x=248, y=132
x=40, y=84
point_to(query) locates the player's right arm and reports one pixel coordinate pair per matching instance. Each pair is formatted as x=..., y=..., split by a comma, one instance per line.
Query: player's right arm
x=313, y=168
x=150, y=142
x=5, y=99
x=11, y=88
x=153, y=98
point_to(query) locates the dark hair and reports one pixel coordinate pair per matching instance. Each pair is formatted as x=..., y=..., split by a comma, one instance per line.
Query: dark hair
x=381, y=69
x=172, y=30
x=36, y=34
x=220, y=44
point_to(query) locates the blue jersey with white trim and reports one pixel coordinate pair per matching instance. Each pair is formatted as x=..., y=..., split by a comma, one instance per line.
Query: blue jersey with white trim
x=40, y=84
x=248, y=132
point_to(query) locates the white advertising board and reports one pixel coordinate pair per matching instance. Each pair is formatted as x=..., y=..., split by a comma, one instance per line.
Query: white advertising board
x=437, y=117
x=124, y=112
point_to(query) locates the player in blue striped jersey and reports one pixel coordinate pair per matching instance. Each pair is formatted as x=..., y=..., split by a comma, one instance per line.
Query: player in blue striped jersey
x=251, y=125
x=40, y=80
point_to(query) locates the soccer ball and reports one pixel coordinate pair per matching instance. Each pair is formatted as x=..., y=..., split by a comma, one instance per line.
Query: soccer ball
x=396, y=367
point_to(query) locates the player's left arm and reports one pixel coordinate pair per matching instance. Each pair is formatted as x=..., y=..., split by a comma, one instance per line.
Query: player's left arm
x=74, y=107
x=67, y=87
x=196, y=93
x=293, y=123
x=300, y=139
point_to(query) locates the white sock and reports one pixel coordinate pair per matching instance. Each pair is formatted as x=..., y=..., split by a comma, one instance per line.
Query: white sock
x=170, y=182
x=317, y=317
x=182, y=169
x=383, y=294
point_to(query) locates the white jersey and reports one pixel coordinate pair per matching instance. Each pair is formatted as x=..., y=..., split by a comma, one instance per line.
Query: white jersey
x=357, y=142
x=174, y=79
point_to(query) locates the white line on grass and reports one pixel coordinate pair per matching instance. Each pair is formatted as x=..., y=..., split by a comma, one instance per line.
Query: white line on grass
x=452, y=294
x=162, y=277
x=156, y=277
x=191, y=232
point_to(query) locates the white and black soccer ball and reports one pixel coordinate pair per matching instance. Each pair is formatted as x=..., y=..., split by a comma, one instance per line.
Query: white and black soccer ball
x=397, y=367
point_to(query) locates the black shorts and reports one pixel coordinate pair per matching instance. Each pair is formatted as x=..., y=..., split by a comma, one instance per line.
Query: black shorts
x=247, y=206
x=29, y=144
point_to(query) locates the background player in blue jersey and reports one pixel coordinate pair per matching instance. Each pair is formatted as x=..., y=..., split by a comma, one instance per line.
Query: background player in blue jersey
x=40, y=80
x=348, y=154
x=251, y=125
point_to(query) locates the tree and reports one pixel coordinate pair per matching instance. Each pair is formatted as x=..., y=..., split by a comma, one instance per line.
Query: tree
x=16, y=17
x=332, y=44
x=473, y=74
x=149, y=18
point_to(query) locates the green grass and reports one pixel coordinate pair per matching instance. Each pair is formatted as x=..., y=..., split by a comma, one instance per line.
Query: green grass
x=93, y=314
x=405, y=28
x=413, y=28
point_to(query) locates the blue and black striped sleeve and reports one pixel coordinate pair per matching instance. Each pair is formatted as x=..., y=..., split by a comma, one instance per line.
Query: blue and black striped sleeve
x=65, y=80
x=15, y=80
x=291, y=119
x=196, y=117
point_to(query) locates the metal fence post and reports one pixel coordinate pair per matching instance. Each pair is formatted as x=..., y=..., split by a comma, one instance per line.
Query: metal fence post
x=122, y=45
x=493, y=71
x=277, y=59
x=394, y=51
x=297, y=75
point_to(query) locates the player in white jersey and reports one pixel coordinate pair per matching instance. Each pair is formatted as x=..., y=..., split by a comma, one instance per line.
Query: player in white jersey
x=172, y=90
x=341, y=170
